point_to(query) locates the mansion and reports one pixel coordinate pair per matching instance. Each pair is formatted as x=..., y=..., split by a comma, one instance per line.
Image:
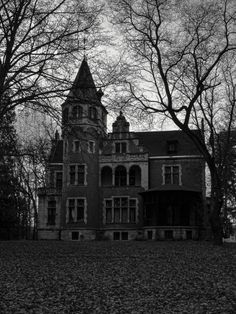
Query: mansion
x=121, y=185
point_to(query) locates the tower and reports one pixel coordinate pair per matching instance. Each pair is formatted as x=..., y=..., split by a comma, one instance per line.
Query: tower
x=83, y=128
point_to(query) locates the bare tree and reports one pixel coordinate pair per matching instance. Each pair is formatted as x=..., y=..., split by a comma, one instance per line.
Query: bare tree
x=178, y=54
x=39, y=42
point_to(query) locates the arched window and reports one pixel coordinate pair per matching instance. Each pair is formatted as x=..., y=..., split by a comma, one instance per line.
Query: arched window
x=135, y=176
x=93, y=113
x=120, y=176
x=77, y=112
x=106, y=176
x=65, y=115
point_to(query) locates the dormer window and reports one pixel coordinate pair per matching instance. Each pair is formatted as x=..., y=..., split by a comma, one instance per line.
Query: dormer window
x=93, y=113
x=91, y=147
x=77, y=112
x=121, y=147
x=172, y=147
x=76, y=146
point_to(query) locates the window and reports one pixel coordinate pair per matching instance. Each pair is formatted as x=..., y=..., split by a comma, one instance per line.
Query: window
x=80, y=209
x=71, y=210
x=172, y=175
x=75, y=235
x=116, y=235
x=93, y=113
x=76, y=146
x=121, y=147
x=72, y=174
x=51, y=212
x=91, y=147
x=172, y=147
x=77, y=112
x=120, y=210
x=59, y=180
x=120, y=235
x=189, y=235
x=124, y=235
x=120, y=176
x=80, y=174
x=132, y=210
x=149, y=234
x=135, y=176
x=108, y=205
x=77, y=174
x=169, y=234
x=76, y=210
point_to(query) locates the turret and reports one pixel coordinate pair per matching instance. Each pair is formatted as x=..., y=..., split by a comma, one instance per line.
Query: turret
x=83, y=105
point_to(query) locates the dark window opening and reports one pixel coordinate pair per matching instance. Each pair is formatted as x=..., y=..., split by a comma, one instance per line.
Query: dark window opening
x=108, y=211
x=116, y=235
x=132, y=210
x=76, y=146
x=58, y=180
x=189, y=235
x=124, y=235
x=93, y=113
x=52, y=212
x=120, y=176
x=81, y=174
x=172, y=147
x=149, y=234
x=135, y=176
x=75, y=235
x=169, y=234
x=91, y=147
x=77, y=112
x=80, y=209
x=71, y=210
x=121, y=147
x=72, y=174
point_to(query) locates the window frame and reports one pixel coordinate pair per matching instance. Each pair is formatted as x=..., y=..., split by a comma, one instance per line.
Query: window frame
x=121, y=147
x=76, y=149
x=77, y=181
x=56, y=180
x=77, y=112
x=119, y=207
x=172, y=147
x=72, y=211
x=91, y=149
x=51, y=212
x=93, y=113
x=120, y=176
x=171, y=174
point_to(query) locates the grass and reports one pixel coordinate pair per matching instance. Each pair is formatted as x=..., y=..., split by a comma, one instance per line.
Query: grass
x=117, y=277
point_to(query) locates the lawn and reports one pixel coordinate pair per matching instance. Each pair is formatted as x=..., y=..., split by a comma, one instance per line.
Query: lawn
x=117, y=277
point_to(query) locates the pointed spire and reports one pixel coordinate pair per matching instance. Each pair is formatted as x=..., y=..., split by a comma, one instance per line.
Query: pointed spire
x=83, y=87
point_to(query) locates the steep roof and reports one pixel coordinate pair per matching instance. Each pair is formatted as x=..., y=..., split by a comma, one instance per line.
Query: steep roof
x=56, y=155
x=84, y=88
x=156, y=142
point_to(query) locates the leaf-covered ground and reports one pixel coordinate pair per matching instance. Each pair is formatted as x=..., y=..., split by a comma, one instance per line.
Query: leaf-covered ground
x=117, y=277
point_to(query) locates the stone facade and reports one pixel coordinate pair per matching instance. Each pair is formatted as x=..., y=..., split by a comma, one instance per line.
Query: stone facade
x=119, y=186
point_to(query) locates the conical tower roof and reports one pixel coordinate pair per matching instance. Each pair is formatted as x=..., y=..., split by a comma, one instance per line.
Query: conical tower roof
x=83, y=88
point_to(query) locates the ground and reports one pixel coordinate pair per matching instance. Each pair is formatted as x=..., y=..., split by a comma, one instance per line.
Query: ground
x=117, y=277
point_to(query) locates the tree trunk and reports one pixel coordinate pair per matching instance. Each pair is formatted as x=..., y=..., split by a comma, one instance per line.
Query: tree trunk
x=216, y=226
x=216, y=208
